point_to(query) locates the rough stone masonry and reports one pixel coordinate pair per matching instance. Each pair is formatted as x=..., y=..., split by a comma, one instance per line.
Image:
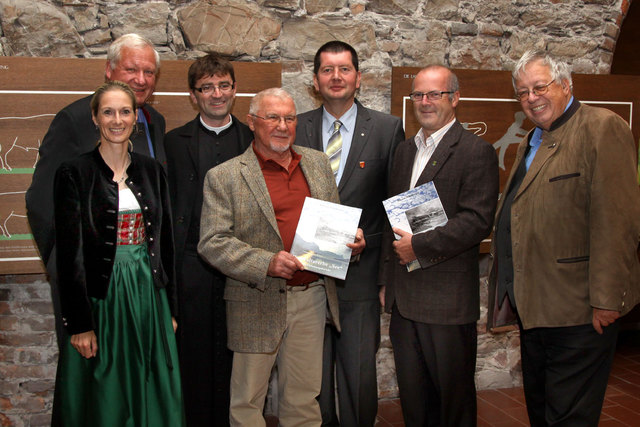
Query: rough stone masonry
x=471, y=34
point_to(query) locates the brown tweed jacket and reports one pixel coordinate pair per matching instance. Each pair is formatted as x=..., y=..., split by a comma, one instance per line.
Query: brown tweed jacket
x=239, y=235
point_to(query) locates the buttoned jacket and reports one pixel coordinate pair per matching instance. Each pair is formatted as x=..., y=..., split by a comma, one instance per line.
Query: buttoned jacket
x=575, y=224
x=182, y=146
x=363, y=185
x=86, y=216
x=239, y=235
x=446, y=288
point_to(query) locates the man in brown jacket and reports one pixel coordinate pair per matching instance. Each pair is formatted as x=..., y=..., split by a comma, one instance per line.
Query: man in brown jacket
x=565, y=242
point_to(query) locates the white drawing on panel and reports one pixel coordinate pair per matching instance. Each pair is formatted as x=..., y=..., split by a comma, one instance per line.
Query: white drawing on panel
x=4, y=163
x=513, y=135
x=18, y=196
x=12, y=202
x=477, y=128
x=4, y=159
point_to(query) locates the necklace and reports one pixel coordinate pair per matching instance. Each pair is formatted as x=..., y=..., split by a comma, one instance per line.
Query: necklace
x=124, y=171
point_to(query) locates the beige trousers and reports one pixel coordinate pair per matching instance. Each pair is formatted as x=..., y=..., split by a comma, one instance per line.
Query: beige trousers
x=299, y=361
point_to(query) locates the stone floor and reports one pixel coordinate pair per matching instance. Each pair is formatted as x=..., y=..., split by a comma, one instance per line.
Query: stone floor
x=506, y=407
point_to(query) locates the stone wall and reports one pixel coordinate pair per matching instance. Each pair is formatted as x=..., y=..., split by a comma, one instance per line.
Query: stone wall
x=458, y=33
x=474, y=34
x=28, y=352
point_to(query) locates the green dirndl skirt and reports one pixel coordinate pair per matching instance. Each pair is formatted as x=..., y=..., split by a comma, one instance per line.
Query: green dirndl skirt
x=134, y=380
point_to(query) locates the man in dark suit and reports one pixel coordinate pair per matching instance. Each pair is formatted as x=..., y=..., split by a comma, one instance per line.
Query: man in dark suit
x=213, y=137
x=434, y=309
x=132, y=60
x=361, y=168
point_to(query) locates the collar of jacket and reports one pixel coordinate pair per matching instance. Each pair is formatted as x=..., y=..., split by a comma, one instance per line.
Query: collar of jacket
x=566, y=115
x=104, y=167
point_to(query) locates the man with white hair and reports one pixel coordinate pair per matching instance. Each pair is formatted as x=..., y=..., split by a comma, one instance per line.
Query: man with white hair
x=565, y=266
x=276, y=310
x=133, y=60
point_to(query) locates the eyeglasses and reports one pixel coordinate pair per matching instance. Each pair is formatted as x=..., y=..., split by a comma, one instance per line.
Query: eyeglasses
x=210, y=88
x=275, y=119
x=523, y=95
x=434, y=95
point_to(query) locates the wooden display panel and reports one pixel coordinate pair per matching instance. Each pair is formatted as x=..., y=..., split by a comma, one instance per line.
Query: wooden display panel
x=488, y=108
x=33, y=90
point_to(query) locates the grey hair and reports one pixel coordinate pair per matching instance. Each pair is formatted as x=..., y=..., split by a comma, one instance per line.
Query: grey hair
x=559, y=70
x=131, y=41
x=277, y=92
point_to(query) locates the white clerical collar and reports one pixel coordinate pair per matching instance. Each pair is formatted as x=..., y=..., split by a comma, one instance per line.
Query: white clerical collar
x=218, y=129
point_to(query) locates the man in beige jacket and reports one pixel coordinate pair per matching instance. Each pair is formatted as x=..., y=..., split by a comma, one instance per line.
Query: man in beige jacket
x=565, y=243
x=276, y=310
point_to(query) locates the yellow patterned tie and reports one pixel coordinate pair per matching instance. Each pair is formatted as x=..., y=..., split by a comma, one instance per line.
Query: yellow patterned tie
x=334, y=147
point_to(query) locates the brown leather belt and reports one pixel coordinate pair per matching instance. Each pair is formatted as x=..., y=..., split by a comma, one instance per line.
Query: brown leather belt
x=304, y=287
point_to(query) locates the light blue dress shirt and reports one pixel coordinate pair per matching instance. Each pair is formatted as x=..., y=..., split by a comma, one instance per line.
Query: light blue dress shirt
x=536, y=140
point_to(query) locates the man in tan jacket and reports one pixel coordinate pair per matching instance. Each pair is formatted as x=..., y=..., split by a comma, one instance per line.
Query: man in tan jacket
x=565, y=242
x=276, y=310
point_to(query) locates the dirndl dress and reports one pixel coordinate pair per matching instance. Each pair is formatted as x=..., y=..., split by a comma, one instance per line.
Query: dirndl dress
x=134, y=380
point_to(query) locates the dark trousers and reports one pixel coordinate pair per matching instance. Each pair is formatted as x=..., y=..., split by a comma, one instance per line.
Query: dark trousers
x=353, y=354
x=565, y=372
x=435, y=366
x=205, y=361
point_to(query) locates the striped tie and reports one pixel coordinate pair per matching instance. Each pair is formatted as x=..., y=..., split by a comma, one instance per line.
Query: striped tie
x=334, y=147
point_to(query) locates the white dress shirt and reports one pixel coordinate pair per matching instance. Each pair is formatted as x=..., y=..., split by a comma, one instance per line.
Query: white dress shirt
x=426, y=149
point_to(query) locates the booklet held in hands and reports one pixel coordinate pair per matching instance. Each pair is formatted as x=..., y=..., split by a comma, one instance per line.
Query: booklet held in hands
x=416, y=211
x=323, y=231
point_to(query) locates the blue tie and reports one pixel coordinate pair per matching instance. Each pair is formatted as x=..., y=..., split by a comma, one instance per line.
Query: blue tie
x=143, y=120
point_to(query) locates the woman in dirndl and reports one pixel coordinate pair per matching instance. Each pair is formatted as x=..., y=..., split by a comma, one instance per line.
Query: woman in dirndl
x=116, y=273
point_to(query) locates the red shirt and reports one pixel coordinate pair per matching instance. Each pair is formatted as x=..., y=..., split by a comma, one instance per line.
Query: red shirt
x=288, y=189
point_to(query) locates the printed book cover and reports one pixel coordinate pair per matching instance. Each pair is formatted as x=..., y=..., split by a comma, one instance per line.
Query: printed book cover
x=323, y=231
x=416, y=211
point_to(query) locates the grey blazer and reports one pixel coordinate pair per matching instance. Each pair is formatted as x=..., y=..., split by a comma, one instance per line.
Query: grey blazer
x=446, y=290
x=363, y=185
x=239, y=235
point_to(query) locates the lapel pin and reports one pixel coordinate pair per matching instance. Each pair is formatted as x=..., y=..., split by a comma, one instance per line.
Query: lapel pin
x=361, y=165
x=362, y=134
x=435, y=162
x=552, y=145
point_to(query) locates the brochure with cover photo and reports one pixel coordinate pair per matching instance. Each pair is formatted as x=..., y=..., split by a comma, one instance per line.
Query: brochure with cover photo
x=416, y=211
x=323, y=231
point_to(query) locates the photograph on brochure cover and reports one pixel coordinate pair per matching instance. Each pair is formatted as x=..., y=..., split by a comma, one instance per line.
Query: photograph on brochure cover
x=323, y=231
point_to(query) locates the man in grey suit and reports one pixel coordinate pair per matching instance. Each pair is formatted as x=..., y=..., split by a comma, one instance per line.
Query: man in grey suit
x=133, y=60
x=434, y=309
x=361, y=169
x=275, y=309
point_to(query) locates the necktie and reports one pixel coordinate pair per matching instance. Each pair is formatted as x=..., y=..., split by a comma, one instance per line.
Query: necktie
x=334, y=147
x=142, y=122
